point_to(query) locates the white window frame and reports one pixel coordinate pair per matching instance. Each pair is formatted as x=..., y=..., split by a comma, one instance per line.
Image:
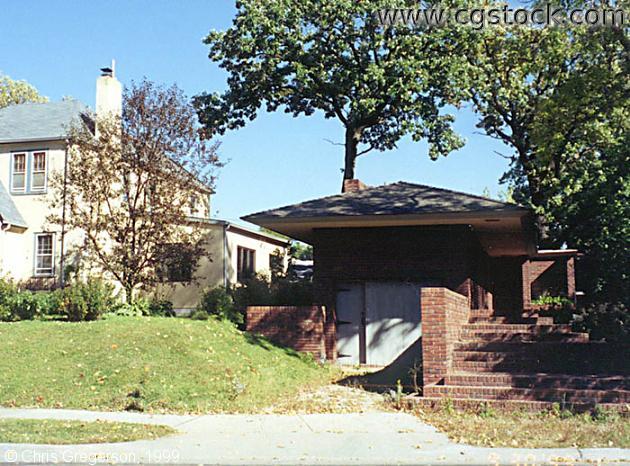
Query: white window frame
x=36, y=255
x=13, y=172
x=45, y=171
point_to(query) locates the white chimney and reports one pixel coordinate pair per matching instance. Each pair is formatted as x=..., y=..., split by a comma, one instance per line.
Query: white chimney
x=108, y=93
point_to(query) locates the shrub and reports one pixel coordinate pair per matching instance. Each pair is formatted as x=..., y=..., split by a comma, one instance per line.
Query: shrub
x=260, y=291
x=219, y=303
x=140, y=307
x=255, y=291
x=161, y=308
x=605, y=321
x=16, y=304
x=88, y=300
x=199, y=314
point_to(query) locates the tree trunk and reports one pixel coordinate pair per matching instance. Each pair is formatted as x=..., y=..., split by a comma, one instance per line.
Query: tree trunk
x=353, y=135
x=129, y=293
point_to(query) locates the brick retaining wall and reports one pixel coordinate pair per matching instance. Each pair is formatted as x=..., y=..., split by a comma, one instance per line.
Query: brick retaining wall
x=298, y=327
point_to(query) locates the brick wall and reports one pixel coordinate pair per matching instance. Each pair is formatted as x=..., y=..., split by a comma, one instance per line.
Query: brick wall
x=444, y=312
x=431, y=256
x=553, y=275
x=299, y=327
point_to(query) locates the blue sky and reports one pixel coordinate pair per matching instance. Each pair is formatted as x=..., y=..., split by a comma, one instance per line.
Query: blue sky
x=59, y=46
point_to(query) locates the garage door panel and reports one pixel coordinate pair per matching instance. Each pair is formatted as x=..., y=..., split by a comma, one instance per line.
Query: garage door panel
x=392, y=320
x=349, y=327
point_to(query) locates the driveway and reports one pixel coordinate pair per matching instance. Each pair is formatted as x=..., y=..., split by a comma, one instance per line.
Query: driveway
x=355, y=438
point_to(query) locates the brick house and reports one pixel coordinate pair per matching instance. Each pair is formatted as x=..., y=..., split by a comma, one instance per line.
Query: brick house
x=406, y=270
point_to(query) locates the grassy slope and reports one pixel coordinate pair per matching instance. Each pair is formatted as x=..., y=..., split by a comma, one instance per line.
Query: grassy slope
x=54, y=432
x=156, y=364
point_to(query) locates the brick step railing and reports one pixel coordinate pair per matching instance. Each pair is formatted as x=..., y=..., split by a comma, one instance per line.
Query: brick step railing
x=566, y=395
x=540, y=380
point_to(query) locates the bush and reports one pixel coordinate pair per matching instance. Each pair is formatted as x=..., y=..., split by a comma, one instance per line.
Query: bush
x=260, y=291
x=605, y=321
x=219, y=303
x=255, y=291
x=161, y=308
x=16, y=304
x=87, y=301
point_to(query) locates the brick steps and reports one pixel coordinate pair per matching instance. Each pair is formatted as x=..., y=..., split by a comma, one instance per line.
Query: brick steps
x=510, y=320
x=489, y=336
x=540, y=380
x=529, y=361
x=513, y=393
x=538, y=347
x=515, y=328
x=437, y=402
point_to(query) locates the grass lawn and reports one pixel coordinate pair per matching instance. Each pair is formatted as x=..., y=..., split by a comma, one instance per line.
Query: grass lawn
x=149, y=364
x=530, y=430
x=54, y=432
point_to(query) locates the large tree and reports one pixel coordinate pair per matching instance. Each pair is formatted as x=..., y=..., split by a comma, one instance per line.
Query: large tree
x=560, y=98
x=127, y=189
x=303, y=56
x=14, y=92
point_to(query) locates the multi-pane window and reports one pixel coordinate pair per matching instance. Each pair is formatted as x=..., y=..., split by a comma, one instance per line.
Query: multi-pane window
x=18, y=173
x=44, y=254
x=29, y=172
x=176, y=263
x=38, y=172
x=246, y=263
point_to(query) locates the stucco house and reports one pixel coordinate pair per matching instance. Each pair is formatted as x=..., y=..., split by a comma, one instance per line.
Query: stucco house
x=411, y=274
x=33, y=146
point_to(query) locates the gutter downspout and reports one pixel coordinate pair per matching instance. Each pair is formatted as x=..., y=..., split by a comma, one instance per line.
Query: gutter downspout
x=226, y=226
x=62, y=278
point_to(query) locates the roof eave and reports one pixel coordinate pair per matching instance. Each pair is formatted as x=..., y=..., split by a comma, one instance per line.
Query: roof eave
x=28, y=140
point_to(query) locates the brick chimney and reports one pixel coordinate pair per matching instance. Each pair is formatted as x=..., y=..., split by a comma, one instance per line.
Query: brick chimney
x=353, y=186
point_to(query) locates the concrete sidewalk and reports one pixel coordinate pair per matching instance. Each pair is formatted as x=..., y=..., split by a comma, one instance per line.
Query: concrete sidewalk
x=366, y=438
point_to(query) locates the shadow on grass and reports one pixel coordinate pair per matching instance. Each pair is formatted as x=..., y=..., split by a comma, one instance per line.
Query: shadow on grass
x=269, y=345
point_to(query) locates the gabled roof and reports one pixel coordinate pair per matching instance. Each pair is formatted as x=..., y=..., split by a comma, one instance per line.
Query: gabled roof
x=8, y=211
x=38, y=122
x=392, y=199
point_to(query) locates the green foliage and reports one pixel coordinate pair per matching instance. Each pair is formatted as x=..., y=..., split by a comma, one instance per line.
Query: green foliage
x=161, y=308
x=88, y=300
x=17, y=92
x=301, y=251
x=17, y=304
x=138, y=308
x=559, y=98
x=218, y=302
x=547, y=300
x=334, y=57
x=605, y=321
x=261, y=291
x=198, y=314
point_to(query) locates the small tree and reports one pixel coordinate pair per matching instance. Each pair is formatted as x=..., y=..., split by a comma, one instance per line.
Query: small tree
x=17, y=92
x=128, y=189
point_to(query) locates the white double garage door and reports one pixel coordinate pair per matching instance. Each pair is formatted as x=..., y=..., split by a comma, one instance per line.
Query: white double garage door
x=377, y=321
